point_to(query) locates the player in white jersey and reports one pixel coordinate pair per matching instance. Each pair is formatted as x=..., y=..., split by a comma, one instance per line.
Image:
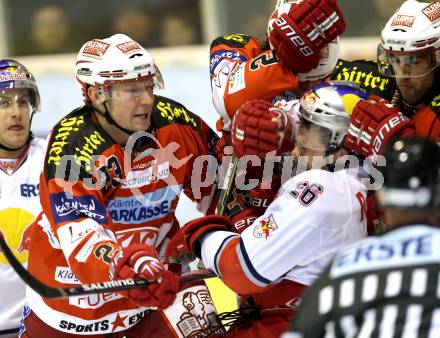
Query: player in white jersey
x=21, y=159
x=387, y=285
x=316, y=213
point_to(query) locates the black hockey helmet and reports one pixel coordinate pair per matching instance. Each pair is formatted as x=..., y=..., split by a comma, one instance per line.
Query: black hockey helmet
x=411, y=174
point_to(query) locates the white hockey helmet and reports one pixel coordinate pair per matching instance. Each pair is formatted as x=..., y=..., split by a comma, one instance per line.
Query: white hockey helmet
x=102, y=62
x=413, y=32
x=328, y=59
x=329, y=105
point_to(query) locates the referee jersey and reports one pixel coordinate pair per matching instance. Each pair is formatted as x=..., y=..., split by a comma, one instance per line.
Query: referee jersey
x=380, y=287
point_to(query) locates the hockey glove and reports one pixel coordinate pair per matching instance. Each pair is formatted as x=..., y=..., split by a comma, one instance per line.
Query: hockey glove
x=259, y=128
x=141, y=261
x=193, y=232
x=299, y=32
x=374, y=122
x=177, y=251
x=261, y=196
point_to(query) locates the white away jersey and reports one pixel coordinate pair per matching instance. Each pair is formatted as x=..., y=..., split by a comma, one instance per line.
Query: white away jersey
x=19, y=205
x=316, y=214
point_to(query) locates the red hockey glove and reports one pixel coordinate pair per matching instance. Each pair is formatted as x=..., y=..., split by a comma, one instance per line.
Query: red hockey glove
x=259, y=128
x=141, y=261
x=160, y=294
x=193, y=231
x=374, y=122
x=298, y=35
x=261, y=196
x=177, y=251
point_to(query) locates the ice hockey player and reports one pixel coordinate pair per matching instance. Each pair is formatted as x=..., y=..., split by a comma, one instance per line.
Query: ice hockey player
x=409, y=56
x=386, y=286
x=239, y=67
x=302, y=48
x=316, y=213
x=21, y=160
x=109, y=195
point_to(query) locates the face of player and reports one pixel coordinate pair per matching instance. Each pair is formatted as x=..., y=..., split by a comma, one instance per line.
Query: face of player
x=131, y=104
x=309, y=144
x=15, y=113
x=414, y=76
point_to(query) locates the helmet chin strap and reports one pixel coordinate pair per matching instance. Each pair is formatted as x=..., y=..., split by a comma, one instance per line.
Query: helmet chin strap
x=2, y=146
x=110, y=120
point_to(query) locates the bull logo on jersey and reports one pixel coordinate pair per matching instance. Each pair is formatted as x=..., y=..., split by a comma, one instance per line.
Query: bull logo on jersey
x=265, y=228
x=15, y=225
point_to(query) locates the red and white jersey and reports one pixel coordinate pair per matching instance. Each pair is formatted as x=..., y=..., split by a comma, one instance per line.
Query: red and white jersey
x=19, y=205
x=132, y=201
x=242, y=71
x=316, y=214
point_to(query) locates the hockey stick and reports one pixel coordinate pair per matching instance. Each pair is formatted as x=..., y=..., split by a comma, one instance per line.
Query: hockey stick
x=226, y=186
x=47, y=291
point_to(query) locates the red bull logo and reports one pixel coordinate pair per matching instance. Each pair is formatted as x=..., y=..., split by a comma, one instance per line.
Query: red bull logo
x=265, y=228
x=15, y=225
